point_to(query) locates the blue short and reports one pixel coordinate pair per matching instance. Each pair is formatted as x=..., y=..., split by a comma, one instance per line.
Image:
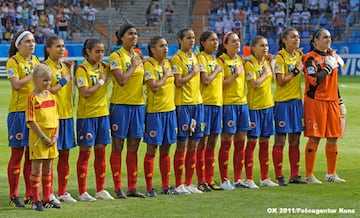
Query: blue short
x=185, y=114
x=289, y=117
x=92, y=131
x=66, y=139
x=212, y=119
x=127, y=121
x=18, y=133
x=262, y=123
x=160, y=128
x=236, y=118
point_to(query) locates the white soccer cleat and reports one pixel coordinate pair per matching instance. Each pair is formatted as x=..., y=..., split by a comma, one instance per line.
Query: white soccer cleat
x=268, y=183
x=103, y=194
x=86, y=197
x=182, y=190
x=66, y=198
x=193, y=189
x=251, y=184
x=333, y=178
x=53, y=198
x=312, y=180
x=226, y=185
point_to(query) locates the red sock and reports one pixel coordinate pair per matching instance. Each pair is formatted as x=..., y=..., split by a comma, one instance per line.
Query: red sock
x=82, y=170
x=294, y=157
x=190, y=165
x=63, y=172
x=115, y=163
x=35, y=187
x=209, y=164
x=165, y=170
x=46, y=186
x=200, y=164
x=249, y=159
x=27, y=173
x=224, y=159
x=277, y=155
x=238, y=159
x=149, y=170
x=132, y=169
x=100, y=168
x=264, y=159
x=13, y=170
x=178, y=167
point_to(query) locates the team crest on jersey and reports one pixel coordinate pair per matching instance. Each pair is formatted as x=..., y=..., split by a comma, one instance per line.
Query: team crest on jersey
x=277, y=68
x=212, y=68
x=113, y=64
x=260, y=72
x=230, y=123
x=10, y=72
x=232, y=69
x=152, y=133
x=115, y=127
x=27, y=69
x=19, y=136
x=185, y=127
x=147, y=75
x=282, y=123
x=89, y=136
x=189, y=67
x=290, y=67
x=80, y=81
x=174, y=69
x=253, y=125
x=128, y=65
x=311, y=70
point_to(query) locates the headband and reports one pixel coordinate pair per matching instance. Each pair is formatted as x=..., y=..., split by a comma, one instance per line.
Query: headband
x=225, y=36
x=317, y=33
x=20, y=37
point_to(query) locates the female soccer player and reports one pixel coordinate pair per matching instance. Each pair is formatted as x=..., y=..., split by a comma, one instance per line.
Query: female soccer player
x=127, y=109
x=236, y=110
x=288, y=111
x=92, y=123
x=43, y=120
x=189, y=110
x=259, y=76
x=323, y=105
x=62, y=88
x=211, y=91
x=160, y=124
x=19, y=71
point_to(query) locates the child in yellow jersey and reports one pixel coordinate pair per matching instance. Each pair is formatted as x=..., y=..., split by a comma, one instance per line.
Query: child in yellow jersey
x=43, y=120
x=19, y=71
x=288, y=110
x=259, y=76
x=189, y=110
x=62, y=88
x=160, y=124
x=235, y=109
x=92, y=123
x=211, y=91
x=127, y=109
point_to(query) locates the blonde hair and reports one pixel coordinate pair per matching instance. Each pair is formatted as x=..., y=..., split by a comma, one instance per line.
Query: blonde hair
x=40, y=70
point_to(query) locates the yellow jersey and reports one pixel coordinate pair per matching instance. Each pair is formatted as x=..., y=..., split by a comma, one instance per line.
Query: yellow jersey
x=211, y=93
x=162, y=100
x=18, y=67
x=97, y=104
x=132, y=92
x=235, y=93
x=42, y=111
x=64, y=95
x=189, y=93
x=260, y=97
x=284, y=65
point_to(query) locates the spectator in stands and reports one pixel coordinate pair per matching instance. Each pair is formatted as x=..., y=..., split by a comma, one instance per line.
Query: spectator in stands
x=91, y=18
x=253, y=20
x=237, y=27
x=219, y=26
x=233, y=12
x=344, y=7
x=85, y=14
x=221, y=11
x=12, y=14
x=295, y=18
x=338, y=23
x=305, y=19
x=241, y=15
x=228, y=24
x=26, y=14
x=279, y=16
x=355, y=9
x=158, y=13
x=40, y=5
x=35, y=19
x=335, y=7
x=76, y=14
x=299, y=5
x=313, y=6
x=264, y=6
x=149, y=15
x=42, y=19
x=62, y=25
x=19, y=14
x=323, y=5
x=169, y=13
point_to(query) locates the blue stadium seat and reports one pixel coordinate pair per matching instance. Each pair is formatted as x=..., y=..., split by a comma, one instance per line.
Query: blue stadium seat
x=314, y=21
x=212, y=23
x=213, y=16
x=323, y=21
x=305, y=34
x=256, y=9
x=351, y=21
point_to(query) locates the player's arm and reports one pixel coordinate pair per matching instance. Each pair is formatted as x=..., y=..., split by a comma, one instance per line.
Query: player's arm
x=181, y=80
x=65, y=78
x=282, y=78
x=257, y=82
x=208, y=78
x=156, y=85
x=122, y=77
x=227, y=82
